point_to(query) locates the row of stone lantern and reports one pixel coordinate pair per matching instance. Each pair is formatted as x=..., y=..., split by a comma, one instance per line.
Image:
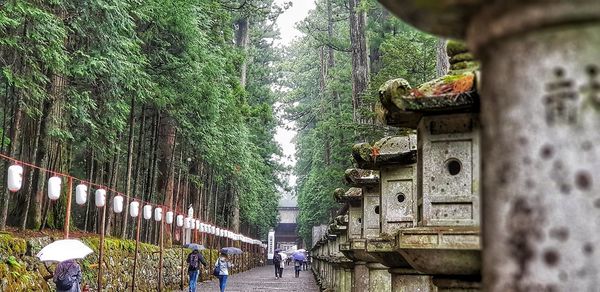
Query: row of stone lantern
x=410, y=219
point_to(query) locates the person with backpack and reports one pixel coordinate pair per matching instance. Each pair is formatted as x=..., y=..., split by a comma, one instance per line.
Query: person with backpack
x=194, y=260
x=222, y=267
x=297, y=267
x=67, y=276
x=277, y=262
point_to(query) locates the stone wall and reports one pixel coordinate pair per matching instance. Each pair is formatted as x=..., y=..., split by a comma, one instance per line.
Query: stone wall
x=20, y=270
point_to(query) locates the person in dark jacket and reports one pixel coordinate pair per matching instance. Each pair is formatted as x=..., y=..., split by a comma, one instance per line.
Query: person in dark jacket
x=194, y=260
x=277, y=262
x=67, y=276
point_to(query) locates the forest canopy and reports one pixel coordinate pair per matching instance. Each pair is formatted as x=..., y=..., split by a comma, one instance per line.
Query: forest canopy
x=168, y=101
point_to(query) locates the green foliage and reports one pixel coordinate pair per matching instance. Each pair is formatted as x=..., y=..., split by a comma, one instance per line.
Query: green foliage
x=321, y=105
x=77, y=67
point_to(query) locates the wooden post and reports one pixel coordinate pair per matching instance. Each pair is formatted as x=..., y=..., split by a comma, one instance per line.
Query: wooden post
x=160, y=259
x=137, y=247
x=68, y=212
x=182, y=271
x=101, y=252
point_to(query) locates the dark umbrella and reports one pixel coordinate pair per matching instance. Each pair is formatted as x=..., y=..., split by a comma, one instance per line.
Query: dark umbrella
x=277, y=250
x=195, y=246
x=231, y=250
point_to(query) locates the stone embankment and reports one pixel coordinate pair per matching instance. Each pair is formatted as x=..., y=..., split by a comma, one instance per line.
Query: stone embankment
x=20, y=270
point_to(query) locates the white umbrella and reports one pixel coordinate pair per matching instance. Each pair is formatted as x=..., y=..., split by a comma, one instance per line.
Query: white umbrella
x=62, y=250
x=283, y=256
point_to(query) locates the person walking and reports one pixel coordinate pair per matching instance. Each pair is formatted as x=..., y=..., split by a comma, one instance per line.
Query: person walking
x=297, y=267
x=277, y=262
x=194, y=260
x=67, y=276
x=222, y=267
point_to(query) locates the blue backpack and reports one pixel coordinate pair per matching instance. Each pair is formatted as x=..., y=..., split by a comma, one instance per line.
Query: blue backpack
x=66, y=282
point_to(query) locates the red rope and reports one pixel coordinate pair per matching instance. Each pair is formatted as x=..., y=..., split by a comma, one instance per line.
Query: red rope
x=97, y=186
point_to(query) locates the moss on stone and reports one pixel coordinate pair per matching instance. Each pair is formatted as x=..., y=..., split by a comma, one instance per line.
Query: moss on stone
x=361, y=152
x=470, y=65
x=454, y=47
x=461, y=58
x=10, y=245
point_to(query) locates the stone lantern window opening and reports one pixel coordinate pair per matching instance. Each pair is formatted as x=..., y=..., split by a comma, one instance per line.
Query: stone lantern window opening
x=453, y=166
x=401, y=197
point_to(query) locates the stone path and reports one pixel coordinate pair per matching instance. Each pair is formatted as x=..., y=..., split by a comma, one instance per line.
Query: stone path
x=263, y=279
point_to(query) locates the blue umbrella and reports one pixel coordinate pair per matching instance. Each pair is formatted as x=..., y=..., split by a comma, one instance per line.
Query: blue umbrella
x=277, y=250
x=195, y=246
x=299, y=256
x=231, y=250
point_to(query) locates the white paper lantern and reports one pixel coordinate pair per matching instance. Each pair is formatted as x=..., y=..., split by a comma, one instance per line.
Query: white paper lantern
x=187, y=223
x=169, y=217
x=118, y=204
x=202, y=227
x=147, y=212
x=179, y=220
x=218, y=231
x=100, y=198
x=134, y=209
x=191, y=212
x=81, y=194
x=54, y=187
x=158, y=214
x=198, y=224
x=213, y=230
x=15, y=178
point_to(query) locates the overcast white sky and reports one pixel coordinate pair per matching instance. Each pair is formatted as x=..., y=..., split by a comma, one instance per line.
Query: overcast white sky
x=287, y=27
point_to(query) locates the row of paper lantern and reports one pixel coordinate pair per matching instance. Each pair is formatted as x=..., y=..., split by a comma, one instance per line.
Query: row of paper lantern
x=15, y=182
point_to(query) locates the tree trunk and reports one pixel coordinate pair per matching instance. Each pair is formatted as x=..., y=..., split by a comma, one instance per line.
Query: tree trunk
x=360, y=59
x=15, y=135
x=236, y=212
x=29, y=184
x=112, y=183
x=91, y=177
x=166, y=177
x=442, y=63
x=242, y=39
x=128, y=171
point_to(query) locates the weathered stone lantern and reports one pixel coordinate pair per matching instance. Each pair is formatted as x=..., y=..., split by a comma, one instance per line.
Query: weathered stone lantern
x=354, y=247
x=540, y=118
x=369, y=273
x=342, y=265
x=395, y=159
x=445, y=241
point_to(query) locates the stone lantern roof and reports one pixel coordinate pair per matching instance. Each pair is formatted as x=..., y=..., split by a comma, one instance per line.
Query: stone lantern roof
x=403, y=106
x=387, y=151
x=361, y=177
x=352, y=195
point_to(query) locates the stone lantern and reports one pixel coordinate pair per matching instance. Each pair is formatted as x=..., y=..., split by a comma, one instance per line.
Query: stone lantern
x=445, y=241
x=395, y=159
x=540, y=116
x=369, y=274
